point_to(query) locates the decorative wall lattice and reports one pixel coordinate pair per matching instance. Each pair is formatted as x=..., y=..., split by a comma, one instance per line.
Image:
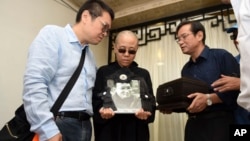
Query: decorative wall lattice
x=155, y=30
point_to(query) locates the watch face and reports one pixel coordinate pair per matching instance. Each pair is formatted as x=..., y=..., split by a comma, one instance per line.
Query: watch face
x=209, y=102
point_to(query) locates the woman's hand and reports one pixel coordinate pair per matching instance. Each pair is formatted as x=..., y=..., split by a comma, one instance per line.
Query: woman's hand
x=106, y=113
x=143, y=115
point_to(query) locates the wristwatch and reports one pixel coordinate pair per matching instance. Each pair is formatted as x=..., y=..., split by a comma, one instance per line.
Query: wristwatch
x=209, y=101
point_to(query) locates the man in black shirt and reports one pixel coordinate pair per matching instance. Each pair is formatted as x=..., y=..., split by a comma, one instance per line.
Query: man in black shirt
x=209, y=114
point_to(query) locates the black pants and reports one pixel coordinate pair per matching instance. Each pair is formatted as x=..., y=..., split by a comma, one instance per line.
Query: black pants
x=211, y=127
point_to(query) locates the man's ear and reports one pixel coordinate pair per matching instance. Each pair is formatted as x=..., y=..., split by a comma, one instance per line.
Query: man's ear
x=200, y=35
x=85, y=15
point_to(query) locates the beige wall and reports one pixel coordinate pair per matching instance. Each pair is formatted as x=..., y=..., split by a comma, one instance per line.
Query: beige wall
x=20, y=22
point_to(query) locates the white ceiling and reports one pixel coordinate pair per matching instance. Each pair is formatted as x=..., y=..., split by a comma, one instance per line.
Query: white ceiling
x=131, y=12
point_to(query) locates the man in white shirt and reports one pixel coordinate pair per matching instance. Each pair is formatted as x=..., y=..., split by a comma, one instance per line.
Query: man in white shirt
x=241, y=10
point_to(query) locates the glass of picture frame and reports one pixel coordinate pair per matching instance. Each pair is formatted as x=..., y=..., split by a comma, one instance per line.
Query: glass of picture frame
x=126, y=96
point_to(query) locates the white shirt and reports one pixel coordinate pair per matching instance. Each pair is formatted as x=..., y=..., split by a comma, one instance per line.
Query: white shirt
x=242, y=13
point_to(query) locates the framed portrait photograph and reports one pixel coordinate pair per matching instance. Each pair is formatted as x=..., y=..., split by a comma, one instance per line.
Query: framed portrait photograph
x=126, y=96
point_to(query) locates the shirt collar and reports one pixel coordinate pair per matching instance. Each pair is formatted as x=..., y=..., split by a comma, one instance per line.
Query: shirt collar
x=132, y=65
x=71, y=34
x=204, y=55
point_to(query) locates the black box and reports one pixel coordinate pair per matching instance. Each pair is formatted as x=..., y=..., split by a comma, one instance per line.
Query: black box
x=173, y=95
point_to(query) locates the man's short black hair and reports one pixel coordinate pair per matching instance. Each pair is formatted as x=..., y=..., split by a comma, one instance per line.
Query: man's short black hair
x=95, y=8
x=196, y=26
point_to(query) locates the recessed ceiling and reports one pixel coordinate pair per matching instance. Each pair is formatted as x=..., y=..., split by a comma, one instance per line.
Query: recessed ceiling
x=131, y=12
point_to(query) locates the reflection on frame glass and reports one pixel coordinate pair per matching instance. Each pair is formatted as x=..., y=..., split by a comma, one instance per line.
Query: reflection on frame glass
x=126, y=96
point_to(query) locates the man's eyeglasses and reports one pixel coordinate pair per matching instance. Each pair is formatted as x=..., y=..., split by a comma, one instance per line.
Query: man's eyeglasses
x=105, y=27
x=121, y=50
x=182, y=37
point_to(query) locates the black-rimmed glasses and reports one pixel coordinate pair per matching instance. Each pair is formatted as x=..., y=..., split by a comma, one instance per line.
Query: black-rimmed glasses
x=105, y=27
x=121, y=50
x=182, y=37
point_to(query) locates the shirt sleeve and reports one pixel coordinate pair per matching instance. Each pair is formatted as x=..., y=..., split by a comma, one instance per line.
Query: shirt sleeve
x=40, y=69
x=229, y=67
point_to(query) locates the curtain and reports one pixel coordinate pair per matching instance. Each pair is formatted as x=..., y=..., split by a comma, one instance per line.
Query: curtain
x=164, y=60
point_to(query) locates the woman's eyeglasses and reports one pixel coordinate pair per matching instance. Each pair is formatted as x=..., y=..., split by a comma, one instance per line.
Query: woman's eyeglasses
x=121, y=50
